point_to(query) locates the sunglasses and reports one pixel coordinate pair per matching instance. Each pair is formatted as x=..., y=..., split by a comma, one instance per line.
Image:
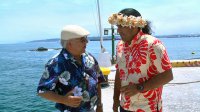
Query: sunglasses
x=82, y=39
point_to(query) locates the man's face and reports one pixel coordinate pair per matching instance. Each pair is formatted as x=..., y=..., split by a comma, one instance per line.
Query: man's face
x=78, y=46
x=127, y=33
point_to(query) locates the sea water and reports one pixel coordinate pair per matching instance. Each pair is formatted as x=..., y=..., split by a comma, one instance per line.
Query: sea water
x=21, y=70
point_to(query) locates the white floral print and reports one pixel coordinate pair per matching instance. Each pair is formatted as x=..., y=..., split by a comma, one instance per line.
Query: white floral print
x=45, y=74
x=90, y=61
x=64, y=77
x=40, y=91
x=53, y=86
x=93, y=101
x=77, y=91
x=66, y=56
x=86, y=96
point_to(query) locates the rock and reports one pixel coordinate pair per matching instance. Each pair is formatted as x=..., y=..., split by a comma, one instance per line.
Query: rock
x=42, y=49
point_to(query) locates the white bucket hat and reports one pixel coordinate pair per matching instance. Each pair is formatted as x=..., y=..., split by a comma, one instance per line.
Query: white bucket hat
x=73, y=31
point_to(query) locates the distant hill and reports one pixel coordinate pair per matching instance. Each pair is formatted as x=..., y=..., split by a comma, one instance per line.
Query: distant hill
x=117, y=37
x=90, y=38
x=178, y=36
x=46, y=40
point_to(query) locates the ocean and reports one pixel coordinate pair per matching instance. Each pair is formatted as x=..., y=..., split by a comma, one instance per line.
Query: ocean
x=21, y=70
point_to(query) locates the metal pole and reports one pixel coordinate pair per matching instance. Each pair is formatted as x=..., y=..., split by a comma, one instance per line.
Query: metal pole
x=113, y=44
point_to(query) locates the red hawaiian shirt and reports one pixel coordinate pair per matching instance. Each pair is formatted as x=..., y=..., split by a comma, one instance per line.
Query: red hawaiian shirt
x=138, y=62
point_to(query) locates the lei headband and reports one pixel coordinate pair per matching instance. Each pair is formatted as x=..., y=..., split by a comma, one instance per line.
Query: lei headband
x=131, y=21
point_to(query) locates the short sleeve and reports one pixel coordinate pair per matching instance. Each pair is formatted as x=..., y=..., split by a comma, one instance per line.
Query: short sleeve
x=116, y=65
x=49, y=77
x=52, y=76
x=100, y=75
x=96, y=69
x=118, y=50
x=161, y=59
x=101, y=78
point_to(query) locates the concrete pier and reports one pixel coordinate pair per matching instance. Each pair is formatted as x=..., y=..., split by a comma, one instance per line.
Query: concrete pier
x=180, y=95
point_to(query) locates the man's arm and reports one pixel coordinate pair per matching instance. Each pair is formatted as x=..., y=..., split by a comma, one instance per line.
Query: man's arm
x=99, y=104
x=155, y=82
x=117, y=86
x=69, y=100
x=158, y=80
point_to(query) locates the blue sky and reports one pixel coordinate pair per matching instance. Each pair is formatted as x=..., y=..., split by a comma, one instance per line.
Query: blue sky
x=26, y=20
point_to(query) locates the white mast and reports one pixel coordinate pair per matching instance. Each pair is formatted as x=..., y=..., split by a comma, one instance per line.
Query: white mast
x=104, y=57
x=100, y=29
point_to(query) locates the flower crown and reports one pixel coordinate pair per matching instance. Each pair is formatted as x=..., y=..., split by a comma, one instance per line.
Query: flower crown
x=131, y=21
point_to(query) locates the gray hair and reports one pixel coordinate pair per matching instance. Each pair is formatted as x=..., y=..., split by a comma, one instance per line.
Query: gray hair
x=63, y=43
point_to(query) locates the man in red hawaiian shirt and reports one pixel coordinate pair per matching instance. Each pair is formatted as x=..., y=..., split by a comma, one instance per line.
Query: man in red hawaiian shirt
x=143, y=66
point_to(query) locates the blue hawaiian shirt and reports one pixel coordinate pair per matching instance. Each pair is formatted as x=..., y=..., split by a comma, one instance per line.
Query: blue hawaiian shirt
x=63, y=74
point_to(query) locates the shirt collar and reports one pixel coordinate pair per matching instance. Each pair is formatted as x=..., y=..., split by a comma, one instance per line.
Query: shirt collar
x=66, y=54
x=69, y=56
x=135, y=39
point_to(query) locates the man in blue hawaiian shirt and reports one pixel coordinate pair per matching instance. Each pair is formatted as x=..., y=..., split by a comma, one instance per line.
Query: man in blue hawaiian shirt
x=72, y=78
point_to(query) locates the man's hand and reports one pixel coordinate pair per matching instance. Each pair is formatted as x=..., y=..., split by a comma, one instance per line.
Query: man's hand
x=72, y=101
x=99, y=108
x=129, y=90
x=116, y=105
